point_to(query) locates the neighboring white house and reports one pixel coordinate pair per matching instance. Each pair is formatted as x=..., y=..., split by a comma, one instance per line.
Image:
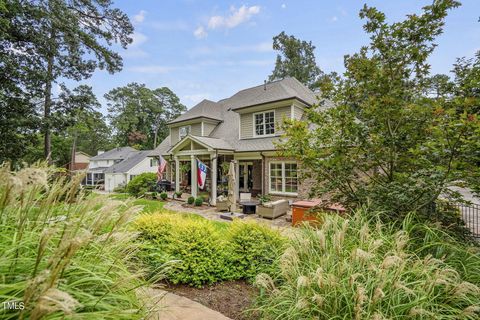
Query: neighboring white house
x=118, y=166
x=135, y=163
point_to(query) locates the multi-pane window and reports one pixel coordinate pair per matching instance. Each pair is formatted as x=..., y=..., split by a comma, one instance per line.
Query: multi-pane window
x=153, y=162
x=283, y=177
x=264, y=123
x=183, y=132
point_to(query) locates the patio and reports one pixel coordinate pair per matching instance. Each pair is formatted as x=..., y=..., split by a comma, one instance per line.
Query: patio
x=211, y=213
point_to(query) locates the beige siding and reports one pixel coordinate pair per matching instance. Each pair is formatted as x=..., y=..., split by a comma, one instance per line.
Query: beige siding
x=196, y=129
x=297, y=112
x=246, y=126
x=208, y=128
x=246, y=121
x=173, y=135
x=280, y=115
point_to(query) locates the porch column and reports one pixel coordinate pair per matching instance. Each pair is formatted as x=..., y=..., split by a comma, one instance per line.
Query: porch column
x=237, y=176
x=213, y=197
x=177, y=174
x=193, y=169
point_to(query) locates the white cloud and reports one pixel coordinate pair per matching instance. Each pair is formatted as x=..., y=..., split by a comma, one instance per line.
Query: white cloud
x=283, y=6
x=153, y=69
x=139, y=17
x=138, y=39
x=334, y=19
x=228, y=21
x=200, y=33
x=236, y=17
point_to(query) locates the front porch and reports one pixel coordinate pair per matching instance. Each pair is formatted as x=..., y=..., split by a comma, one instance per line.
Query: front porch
x=214, y=153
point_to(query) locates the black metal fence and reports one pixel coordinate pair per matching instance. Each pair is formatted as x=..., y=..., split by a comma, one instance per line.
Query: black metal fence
x=470, y=214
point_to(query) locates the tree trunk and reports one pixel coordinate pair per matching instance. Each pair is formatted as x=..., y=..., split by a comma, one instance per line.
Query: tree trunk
x=155, y=139
x=48, y=104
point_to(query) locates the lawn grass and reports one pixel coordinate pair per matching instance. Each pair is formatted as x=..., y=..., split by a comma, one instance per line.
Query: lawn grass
x=157, y=206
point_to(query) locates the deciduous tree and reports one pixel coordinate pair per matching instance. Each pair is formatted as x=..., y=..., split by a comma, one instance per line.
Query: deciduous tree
x=385, y=142
x=139, y=115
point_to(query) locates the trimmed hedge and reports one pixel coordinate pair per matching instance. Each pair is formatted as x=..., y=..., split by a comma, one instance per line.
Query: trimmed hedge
x=200, y=252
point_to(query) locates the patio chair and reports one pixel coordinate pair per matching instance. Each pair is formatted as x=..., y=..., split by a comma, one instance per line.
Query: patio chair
x=245, y=197
x=273, y=209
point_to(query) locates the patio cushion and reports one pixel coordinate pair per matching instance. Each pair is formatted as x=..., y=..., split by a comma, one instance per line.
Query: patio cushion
x=271, y=204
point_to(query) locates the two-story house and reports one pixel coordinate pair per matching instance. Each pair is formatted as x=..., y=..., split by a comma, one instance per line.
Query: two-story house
x=118, y=166
x=243, y=128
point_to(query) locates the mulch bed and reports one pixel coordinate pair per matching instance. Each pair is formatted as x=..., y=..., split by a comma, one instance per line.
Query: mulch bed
x=230, y=298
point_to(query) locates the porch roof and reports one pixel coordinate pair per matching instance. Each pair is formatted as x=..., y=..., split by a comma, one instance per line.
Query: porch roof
x=208, y=143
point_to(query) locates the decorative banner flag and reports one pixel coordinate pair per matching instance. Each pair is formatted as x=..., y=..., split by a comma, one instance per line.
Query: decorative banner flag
x=162, y=163
x=201, y=174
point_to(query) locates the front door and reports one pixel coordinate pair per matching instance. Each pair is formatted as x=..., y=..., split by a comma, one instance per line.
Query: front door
x=245, y=176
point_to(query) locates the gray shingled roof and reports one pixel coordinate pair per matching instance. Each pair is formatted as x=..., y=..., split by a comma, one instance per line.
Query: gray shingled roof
x=287, y=88
x=114, y=154
x=133, y=158
x=206, y=109
x=226, y=133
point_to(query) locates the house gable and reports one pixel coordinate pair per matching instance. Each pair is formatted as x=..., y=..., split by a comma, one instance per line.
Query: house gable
x=282, y=110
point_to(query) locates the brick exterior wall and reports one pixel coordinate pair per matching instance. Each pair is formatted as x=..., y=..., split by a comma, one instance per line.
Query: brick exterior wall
x=303, y=186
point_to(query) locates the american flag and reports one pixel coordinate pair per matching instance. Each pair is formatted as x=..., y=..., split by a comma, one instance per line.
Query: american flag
x=162, y=163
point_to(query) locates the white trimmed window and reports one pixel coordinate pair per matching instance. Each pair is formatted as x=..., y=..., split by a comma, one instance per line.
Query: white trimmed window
x=183, y=132
x=153, y=162
x=283, y=177
x=264, y=123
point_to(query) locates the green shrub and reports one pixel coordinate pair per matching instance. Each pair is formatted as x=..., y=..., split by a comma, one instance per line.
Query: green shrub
x=120, y=189
x=202, y=251
x=361, y=269
x=145, y=182
x=255, y=248
x=190, y=200
x=197, y=248
x=198, y=201
x=163, y=196
x=264, y=198
x=178, y=194
x=66, y=258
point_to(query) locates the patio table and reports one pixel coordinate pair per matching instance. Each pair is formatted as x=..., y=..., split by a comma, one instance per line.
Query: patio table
x=249, y=207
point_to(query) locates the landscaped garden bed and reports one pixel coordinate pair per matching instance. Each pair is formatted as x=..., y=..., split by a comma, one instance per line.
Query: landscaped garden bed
x=231, y=298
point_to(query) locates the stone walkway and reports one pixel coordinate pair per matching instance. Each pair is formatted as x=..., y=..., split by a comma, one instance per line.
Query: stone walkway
x=165, y=305
x=212, y=214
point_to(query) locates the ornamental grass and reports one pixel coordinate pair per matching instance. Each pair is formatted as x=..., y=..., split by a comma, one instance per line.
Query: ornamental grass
x=63, y=255
x=358, y=268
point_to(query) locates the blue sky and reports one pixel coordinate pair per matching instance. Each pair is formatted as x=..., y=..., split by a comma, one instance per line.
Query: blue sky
x=211, y=49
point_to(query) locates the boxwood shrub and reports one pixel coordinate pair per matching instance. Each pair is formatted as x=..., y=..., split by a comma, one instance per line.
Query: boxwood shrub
x=190, y=200
x=198, y=201
x=201, y=251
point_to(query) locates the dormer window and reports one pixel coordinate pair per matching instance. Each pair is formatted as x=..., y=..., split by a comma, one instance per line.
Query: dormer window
x=183, y=132
x=264, y=123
